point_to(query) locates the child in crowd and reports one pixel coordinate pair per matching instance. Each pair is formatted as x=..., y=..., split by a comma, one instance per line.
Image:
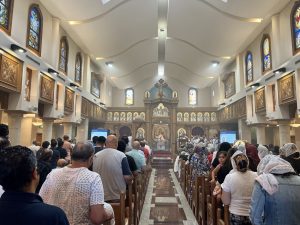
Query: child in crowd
x=221, y=157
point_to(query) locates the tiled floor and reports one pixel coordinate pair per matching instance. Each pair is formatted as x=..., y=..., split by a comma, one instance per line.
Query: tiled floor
x=165, y=202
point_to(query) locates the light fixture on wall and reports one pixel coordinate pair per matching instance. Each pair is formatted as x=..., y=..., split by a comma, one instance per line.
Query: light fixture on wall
x=222, y=104
x=52, y=71
x=101, y=103
x=255, y=85
x=109, y=64
x=74, y=85
x=280, y=70
x=17, y=48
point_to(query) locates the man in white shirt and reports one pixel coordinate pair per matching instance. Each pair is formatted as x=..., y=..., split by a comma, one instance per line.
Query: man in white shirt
x=77, y=190
x=34, y=147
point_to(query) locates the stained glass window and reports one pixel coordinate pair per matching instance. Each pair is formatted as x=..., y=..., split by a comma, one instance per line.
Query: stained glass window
x=192, y=96
x=129, y=96
x=6, y=14
x=266, y=53
x=249, y=67
x=35, y=23
x=78, y=66
x=296, y=26
x=63, y=55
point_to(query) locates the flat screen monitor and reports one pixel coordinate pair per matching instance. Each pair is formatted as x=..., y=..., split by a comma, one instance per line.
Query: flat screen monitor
x=99, y=132
x=228, y=136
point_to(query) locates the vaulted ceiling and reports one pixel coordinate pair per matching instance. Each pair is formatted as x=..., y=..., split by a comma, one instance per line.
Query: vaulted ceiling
x=154, y=38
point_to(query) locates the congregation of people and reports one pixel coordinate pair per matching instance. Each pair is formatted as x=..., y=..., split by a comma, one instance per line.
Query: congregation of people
x=259, y=183
x=61, y=182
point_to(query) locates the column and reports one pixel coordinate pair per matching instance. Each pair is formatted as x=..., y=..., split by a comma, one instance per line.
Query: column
x=297, y=136
x=55, y=41
x=14, y=124
x=26, y=131
x=276, y=39
x=82, y=130
x=47, y=130
x=68, y=129
x=284, y=132
x=244, y=130
x=261, y=134
x=86, y=73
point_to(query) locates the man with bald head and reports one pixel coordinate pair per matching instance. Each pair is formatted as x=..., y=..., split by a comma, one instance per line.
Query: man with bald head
x=112, y=165
x=138, y=156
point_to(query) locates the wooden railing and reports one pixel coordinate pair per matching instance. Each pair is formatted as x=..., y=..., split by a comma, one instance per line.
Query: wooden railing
x=207, y=209
x=128, y=211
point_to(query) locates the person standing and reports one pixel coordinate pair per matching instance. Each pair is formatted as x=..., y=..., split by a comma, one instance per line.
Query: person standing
x=276, y=194
x=112, y=165
x=138, y=156
x=78, y=191
x=19, y=204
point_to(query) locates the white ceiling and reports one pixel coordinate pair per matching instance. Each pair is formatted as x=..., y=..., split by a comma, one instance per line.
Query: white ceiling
x=125, y=32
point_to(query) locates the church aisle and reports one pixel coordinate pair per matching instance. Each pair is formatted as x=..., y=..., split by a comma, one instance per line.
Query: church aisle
x=165, y=202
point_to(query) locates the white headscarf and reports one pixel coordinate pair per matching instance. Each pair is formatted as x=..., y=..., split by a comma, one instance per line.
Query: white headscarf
x=262, y=151
x=269, y=165
x=288, y=149
x=233, y=163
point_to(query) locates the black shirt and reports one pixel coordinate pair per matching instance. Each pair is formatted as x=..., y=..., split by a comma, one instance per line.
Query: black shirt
x=98, y=149
x=62, y=152
x=131, y=163
x=44, y=168
x=20, y=208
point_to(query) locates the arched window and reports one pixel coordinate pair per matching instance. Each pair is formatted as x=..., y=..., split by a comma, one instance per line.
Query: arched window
x=34, y=29
x=249, y=67
x=63, y=55
x=266, y=53
x=129, y=96
x=78, y=68
x=192, y=96
x=295, y=26
x=6, y=9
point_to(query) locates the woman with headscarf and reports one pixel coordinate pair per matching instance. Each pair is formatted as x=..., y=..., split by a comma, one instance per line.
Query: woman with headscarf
x=237, y=189
x=262, y=151
x=276, y=194
x=252, y=154
x=290, y=153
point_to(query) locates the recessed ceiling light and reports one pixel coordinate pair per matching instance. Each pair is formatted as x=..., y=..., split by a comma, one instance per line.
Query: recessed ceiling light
x=75, y=22
x=99, y=58
x=105, y=1
x=255, y=20
x=211, y=77
x=215, y=63
x=109, y=64
x=226, y=57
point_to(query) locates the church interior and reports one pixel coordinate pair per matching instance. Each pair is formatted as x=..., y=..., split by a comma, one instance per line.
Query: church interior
x=167, y=72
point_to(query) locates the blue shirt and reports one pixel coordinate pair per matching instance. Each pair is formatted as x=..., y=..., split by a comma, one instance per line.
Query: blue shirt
x=138, y=157
x=21, y=208
x=281, y=208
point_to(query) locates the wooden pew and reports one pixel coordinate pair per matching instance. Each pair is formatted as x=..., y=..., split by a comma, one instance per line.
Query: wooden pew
x=119, y=210
x=225, y=219
x=195, y=196
x=129, y=204
x=203, y=201
x=136, y=199
x=211, y=206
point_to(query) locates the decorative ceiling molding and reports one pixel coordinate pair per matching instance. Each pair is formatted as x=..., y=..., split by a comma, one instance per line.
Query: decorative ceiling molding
x=243, y=19
x=125, y=50
x=200, y=50
x=185, y=68
x=78, y=22
x=136, y=69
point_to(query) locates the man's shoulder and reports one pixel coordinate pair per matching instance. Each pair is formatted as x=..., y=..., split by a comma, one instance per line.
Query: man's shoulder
x=51, y=212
